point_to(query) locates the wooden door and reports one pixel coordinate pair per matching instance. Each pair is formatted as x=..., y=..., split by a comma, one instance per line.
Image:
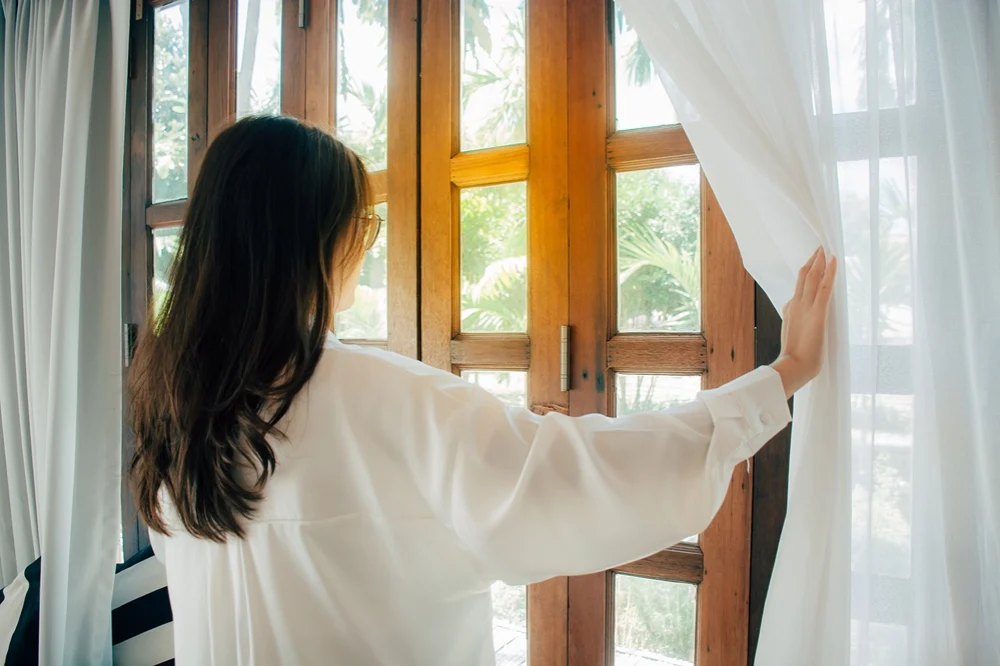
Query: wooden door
x=534, y=181
x=543, y=206
x=660, y=307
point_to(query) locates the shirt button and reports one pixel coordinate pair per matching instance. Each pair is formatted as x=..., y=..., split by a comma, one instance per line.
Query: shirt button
x=765, y=419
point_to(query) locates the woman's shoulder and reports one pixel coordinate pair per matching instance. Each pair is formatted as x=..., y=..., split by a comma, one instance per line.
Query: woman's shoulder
x=363, y=363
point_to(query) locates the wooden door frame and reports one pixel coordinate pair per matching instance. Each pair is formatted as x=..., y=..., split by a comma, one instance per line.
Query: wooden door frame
x=720, y=563
x=445, y=169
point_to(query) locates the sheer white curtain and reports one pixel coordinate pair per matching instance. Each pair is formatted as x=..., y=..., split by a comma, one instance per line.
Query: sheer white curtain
x=870, y=126
x=64, y=70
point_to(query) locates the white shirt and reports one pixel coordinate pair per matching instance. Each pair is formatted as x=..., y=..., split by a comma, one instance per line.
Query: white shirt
x=402, y=492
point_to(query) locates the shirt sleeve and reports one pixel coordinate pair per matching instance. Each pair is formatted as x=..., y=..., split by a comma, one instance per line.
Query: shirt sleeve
x=533, y=497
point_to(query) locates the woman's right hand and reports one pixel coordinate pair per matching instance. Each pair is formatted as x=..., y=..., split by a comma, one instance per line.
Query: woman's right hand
x=803, y=332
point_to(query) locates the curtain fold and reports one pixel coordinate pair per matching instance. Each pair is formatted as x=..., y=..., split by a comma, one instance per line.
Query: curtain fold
x=64, y=82
x=870, y=126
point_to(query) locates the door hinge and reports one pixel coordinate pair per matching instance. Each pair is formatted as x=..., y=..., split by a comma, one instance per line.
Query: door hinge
x=564, y=358
x=303, y=14
x=138, y=9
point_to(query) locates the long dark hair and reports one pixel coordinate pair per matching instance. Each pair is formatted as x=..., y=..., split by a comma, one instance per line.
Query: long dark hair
x=279, y=211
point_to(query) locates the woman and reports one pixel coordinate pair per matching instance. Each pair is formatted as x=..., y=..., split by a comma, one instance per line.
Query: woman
x=320, y=503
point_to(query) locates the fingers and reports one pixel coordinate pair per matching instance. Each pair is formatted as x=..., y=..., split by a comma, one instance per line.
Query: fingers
x=803, y=274
x=814, y=277
x=826, y=286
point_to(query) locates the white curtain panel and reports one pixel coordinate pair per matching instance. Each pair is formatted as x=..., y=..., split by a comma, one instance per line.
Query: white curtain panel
x=64, y=70
x=871, y=126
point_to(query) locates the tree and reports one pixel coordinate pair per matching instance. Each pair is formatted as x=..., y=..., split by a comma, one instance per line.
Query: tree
x=170, y=104
x=638, y=64
x=886, y=13
x=265, y=99
x=245, y=76
x=655, y=616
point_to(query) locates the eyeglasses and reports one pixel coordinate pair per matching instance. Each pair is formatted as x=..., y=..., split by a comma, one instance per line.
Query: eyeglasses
x=373, y=226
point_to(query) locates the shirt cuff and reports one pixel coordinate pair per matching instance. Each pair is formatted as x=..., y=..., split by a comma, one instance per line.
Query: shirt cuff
x=752, y=409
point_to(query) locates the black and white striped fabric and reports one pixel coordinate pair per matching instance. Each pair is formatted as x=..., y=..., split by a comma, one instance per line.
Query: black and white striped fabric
x=142, y=625
x=141, y=621
x=19, y=617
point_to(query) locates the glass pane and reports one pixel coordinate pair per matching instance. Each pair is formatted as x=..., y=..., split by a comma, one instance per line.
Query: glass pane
x=511, y=387
x=635, y=394
x=170, y=103
x=654, y=621
x=493, y=73
x=640, y=100
x=363, y=78
x=258, y=57
x=494, y=259
x=367, y=318
x=510, y=623
x=851, y=33
x=165, y=244
x=659, y=263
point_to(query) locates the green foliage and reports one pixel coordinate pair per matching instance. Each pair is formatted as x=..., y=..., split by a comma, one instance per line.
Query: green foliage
x=264, y=99
x=494, y=259
x=165, y=245
x=493, y=76
x=658, y=251
x=363, y=112
x=170, y=104
x=655, y=616
x=638, y=64
x=510, y=604
x=886, y=13
x=646, y=393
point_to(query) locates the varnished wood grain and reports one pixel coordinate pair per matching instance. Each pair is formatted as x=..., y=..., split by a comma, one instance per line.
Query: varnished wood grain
x=658, y=353
x=495, y=166
x=589, y=229
x=683, y=563
x=403, y=177
x=591, y=599
x=293, y=61
x=547, y=622
x=438, y=143
x=198, y=35
x=221, y=65
x=650, y=148
x=169, y=214
x=728, y=315
x=591, y=618
x=548, y=269
x=380, y=185
x=491, y=352
x=319, y=64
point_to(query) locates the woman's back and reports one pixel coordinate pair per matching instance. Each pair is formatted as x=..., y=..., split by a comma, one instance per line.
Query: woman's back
x=399, y=496
x=345, y=562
